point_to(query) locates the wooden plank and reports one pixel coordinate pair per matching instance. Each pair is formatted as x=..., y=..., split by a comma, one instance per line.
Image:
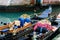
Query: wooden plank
x=20, y=29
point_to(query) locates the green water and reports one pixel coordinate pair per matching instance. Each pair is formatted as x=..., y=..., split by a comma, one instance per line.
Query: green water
x=12, y=15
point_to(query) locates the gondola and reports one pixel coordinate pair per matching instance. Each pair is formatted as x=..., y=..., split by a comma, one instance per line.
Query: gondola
x=21, y=32
x=6, y=31
x=47, y=35
x=50, y=35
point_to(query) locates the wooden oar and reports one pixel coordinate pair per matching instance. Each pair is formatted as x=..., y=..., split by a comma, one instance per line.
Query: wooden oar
x=6, y=26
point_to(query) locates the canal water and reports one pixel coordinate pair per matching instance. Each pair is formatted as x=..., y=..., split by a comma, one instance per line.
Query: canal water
x=11, y=16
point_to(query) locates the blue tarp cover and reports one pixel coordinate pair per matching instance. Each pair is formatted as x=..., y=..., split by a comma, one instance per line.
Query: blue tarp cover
x=46, y=12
